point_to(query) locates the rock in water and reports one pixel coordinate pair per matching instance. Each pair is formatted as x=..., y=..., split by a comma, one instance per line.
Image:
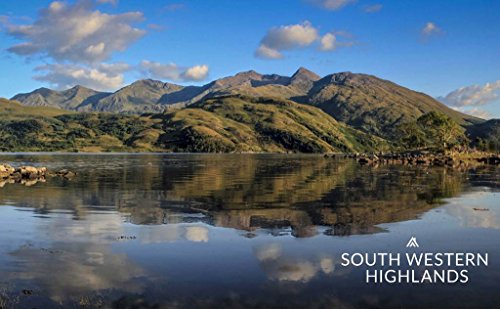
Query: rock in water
x=28, y=175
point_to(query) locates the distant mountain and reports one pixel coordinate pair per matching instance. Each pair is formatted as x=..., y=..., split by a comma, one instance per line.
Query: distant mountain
x=72, y=99
x=139, y=97
x=363, y=101
x=14, y=110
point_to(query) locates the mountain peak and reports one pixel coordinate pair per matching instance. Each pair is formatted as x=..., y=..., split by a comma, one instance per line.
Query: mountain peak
x=147, y=81
x=43, y=91
x=78, y=88
x=248, y=73
x=303, y=73
x=239, y=79
x=303, y=79
x=154, y=82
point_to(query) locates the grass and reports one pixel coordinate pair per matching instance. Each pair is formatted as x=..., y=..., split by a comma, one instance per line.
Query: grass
x=224, y=124
x=242, y=124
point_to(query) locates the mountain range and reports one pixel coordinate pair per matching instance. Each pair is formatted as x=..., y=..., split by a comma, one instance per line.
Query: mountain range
x=352, y=98
x=245, y=112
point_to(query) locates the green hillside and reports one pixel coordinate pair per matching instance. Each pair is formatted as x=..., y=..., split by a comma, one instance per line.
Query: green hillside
x=25, y=128
x=238, y=123
x=226, y=124
x=375, y=105
x=12, y=109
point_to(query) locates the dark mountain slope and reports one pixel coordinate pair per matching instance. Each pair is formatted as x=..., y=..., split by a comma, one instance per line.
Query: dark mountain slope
x=486, y=135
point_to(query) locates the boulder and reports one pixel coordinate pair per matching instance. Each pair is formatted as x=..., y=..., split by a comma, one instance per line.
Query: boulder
x=363, y=160
x=26, y=171
x=27, y=175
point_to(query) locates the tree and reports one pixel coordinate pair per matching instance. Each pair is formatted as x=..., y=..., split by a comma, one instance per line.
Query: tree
x=442, y=130
x=412, y=136
x=435, y=130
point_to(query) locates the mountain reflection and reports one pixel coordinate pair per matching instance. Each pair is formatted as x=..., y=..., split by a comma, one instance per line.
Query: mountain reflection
x=231, y=231
x=298, y=195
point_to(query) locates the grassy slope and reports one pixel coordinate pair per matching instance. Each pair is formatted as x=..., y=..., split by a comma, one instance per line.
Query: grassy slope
x=25, y=128
x=374, y=105
x=12, y=109
x=260, y=125
x=225, y=124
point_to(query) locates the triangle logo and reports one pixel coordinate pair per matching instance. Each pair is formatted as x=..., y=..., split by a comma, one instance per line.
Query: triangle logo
x=412, y=243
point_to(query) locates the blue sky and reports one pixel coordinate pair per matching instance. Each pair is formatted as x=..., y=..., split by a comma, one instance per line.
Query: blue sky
x=448, y=49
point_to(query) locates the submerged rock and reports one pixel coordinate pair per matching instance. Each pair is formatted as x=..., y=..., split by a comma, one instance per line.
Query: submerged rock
x=66, y=173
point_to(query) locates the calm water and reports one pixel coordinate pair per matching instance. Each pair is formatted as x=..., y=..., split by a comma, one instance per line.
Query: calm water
x=237, y=231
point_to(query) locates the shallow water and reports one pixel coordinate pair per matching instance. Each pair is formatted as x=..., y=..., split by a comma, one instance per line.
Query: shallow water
x=238, y=231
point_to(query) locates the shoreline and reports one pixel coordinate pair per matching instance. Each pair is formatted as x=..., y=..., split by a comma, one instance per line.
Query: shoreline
x=417, y=156
x=426, y=158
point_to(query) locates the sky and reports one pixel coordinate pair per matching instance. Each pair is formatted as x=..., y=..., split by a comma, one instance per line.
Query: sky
x=447, y=49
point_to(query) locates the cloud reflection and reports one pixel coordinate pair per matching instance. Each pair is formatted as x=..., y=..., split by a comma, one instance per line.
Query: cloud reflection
x=475, y=210
x=279, y=267
x=67, y=270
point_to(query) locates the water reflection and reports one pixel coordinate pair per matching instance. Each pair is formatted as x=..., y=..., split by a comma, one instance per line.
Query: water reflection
x=294, y=195
x=474, y=210
x=280, y=267
x=69, y=271
x=235, y=230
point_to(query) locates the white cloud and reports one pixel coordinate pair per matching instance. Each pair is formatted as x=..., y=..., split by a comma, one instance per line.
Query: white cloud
x=268, y=53
x=101, y=77
x=475, y=111
x=109, y=76
x=481, y=113
x=76, y=32
x=332, y=5
x=113, y=2
x=75, y=39
x=473, y=95
x=430, y=29
x=196, y=73
x=372, y=8
x=327, y=42
x=285, y=38
x=172, y=71
x=295, y=36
